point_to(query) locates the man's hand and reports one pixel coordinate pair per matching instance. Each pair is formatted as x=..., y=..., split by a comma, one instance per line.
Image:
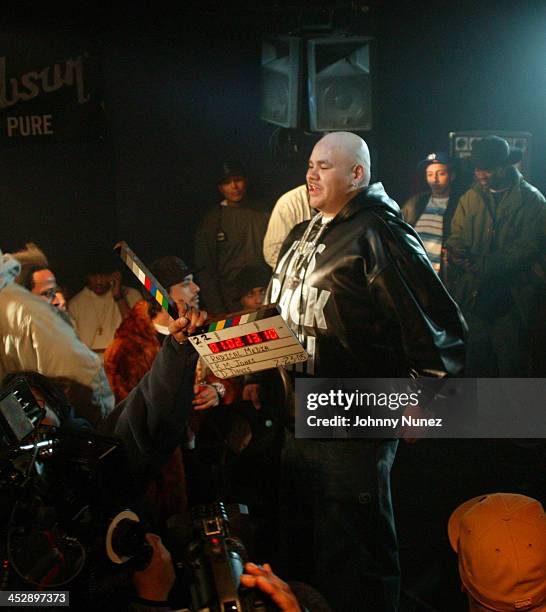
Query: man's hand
x=156, y=580
x=206, y=396
x=463, y=259
x=263, y=578
x=59, y=301
x=187, y=324
x=412, y=434
x=115, y=283
x=252, y=393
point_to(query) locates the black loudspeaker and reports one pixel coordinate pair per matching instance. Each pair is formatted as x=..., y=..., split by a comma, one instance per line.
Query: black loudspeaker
x=340, y=83
x=460, y=145
x=281, y=80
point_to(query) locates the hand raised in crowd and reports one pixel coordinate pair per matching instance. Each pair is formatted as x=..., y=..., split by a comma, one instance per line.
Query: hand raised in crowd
x=156, y=580
x=206, y=396
x=115, y=283
x=186, y=324
x=263, y=578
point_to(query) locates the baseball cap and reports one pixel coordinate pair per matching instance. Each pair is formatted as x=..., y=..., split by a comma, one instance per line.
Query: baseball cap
x=439, y=157
x=230, y=168
x=169, y=270
x=500, y=539
x=494, y=151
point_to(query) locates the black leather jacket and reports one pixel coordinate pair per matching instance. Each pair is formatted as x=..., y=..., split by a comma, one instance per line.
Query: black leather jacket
x=371, y=304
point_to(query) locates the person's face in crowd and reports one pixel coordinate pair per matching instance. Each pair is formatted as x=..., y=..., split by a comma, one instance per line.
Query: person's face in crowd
x=330, y=177
x=45, y=286
x=439, y=179
x=99, y=283
x=491, y=178
x=253, y=299
x=185, y=293
x=233, y=188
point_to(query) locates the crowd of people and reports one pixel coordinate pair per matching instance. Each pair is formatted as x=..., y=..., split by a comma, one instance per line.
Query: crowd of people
x=452, y=283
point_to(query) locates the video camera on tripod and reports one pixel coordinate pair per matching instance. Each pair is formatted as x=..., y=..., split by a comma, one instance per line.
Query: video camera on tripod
x=56, y=495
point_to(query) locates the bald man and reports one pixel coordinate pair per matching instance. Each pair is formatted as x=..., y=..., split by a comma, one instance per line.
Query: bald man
x=357, y=288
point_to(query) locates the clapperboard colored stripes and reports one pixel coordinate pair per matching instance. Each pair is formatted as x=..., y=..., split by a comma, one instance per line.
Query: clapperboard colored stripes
x=263, y=313
x=148, y=280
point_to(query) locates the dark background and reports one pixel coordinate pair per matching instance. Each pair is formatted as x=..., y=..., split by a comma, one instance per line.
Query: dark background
x=181, y=90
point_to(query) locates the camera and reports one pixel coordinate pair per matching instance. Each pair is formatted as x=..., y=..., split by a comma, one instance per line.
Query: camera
x=20, y=414
x=208, y=558
x=217, y=559
x=58, y=491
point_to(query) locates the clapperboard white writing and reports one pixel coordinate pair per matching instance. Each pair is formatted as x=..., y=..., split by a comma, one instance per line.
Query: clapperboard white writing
x=250, y=342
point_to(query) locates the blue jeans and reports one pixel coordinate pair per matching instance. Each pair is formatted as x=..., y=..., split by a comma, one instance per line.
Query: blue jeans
x=336, y=521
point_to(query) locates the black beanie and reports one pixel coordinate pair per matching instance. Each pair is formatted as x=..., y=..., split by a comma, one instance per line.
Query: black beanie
x=169, y=270
x=250, y=277
x=494, y=151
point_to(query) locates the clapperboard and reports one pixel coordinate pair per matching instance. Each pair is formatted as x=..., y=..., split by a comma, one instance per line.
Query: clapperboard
x=248, y=342
x=148, y=280
x=242, y=343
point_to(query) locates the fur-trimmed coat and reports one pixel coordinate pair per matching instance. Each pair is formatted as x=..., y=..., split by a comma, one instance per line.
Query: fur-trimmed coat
x=132, y=352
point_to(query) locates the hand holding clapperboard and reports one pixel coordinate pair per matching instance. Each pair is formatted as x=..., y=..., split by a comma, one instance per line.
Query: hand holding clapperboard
x=242, y=343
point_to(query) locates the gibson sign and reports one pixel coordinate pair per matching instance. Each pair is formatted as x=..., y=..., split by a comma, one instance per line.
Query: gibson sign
x=51, y=102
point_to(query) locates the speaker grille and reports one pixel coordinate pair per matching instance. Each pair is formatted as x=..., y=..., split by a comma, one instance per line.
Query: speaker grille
x=281, y=76
x=340, y=91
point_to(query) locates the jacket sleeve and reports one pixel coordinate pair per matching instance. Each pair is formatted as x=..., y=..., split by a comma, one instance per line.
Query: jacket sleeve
x=282, y=220
x=520, y=254
x=406, y=289
x=47, y=344
x=152, y=418
x=408, y=210
x=206, y=267
x=458, y=223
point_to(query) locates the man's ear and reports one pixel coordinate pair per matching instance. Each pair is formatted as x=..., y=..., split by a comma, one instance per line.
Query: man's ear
x=359, y=174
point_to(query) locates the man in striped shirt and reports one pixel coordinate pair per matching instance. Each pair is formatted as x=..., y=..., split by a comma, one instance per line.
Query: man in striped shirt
x=431, y=212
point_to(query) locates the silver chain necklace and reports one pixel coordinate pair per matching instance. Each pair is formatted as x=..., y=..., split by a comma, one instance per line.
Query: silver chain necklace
x=304, y=252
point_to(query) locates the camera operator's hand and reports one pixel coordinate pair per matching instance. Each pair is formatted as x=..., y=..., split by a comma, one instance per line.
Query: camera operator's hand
x=157, y=579
x=263, y=578
x=187, y=324
x=252, y=393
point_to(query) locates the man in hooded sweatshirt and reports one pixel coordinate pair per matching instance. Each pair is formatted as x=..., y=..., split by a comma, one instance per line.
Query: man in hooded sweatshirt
x=357, y=288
